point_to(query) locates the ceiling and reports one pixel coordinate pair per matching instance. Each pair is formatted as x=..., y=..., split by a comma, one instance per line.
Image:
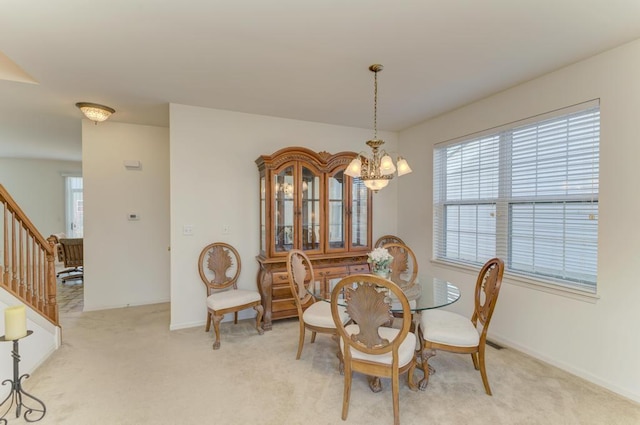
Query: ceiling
x=298, y=59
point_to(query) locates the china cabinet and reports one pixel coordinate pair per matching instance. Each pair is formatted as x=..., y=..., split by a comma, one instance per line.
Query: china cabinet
x=308, y=203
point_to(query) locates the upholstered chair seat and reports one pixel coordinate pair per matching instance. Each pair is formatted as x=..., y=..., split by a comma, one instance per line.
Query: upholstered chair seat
x=445, y=327
x=406, y=351
x=319, y=314
x=231, y=298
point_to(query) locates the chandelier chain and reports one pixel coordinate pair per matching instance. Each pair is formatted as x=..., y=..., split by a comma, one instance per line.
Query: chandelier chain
x=375, y=105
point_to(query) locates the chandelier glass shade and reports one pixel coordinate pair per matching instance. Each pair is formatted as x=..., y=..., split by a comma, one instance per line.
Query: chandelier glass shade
x=96, y=113
x=376, y=169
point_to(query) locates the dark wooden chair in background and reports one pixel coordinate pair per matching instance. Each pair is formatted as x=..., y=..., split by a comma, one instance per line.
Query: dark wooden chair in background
x=71, y=250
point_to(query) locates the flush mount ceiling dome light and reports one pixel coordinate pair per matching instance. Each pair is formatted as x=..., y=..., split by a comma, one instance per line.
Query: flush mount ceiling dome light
x=93, y=111
x=377, y=169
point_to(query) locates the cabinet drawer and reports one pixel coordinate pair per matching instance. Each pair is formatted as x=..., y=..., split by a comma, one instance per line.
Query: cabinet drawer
x=279, y=292
x=284, y=305
x=280, y=278
x=359, y=269
x=332, y=271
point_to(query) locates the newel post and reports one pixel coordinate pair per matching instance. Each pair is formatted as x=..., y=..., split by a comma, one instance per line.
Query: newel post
x=52, y=306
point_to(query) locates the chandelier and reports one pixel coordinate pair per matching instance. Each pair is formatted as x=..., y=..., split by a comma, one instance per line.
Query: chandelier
x=93, y=111
x=377, y=169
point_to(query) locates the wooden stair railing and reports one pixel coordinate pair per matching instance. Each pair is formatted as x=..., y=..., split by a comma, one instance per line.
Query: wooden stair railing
x=27, y=268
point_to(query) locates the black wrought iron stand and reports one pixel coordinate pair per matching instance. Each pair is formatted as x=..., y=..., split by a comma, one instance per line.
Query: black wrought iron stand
x=17, y=395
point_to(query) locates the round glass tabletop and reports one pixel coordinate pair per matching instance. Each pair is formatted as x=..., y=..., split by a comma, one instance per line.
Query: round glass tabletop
x=425, y=293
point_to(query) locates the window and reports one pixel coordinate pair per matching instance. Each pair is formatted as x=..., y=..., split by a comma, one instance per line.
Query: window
x=74, y=209
x=527, y=193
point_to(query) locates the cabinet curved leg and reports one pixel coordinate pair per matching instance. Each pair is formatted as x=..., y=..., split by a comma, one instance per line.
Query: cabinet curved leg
x=260, y=312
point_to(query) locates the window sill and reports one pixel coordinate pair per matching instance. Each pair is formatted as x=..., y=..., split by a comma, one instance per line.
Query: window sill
x=534, y=284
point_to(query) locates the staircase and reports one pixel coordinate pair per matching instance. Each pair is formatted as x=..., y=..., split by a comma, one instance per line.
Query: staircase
x=27, y=268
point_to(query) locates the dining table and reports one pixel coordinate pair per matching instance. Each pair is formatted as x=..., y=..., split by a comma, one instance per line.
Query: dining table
x=425, y=292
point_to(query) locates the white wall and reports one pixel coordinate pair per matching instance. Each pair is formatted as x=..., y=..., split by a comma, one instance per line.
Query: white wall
x=214, y=182
x=597, y=340
x=37, y=185
x=125, y=262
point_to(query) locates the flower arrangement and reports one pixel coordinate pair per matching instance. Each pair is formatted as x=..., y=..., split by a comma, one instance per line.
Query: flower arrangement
x=379, y=259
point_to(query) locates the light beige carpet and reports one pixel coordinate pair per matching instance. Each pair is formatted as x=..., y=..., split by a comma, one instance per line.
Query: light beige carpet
x=124, y=366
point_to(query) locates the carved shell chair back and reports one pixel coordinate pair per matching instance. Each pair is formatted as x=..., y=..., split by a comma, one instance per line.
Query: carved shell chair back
x=312, y=315
x=448, y=331
x=385, y=239
x=219, y=266
x=369, y=346
x=404, y=266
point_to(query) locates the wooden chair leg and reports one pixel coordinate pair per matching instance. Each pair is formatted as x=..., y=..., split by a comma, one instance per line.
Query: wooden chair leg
x=235, y=318
x=313, y=337
x=336, y=338
x=411, y=381
x=216, y=328
x=260, y=311
x=347, y=392
x=474, y=359
x=483, y=371
x=395, y=394
x=300, y=340
x=208, y=325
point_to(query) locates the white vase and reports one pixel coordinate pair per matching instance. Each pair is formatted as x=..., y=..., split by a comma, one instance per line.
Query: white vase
x=382, y=273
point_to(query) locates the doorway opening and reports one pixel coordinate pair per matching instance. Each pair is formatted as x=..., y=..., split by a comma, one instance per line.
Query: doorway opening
x=74, y=211
x=70, y=293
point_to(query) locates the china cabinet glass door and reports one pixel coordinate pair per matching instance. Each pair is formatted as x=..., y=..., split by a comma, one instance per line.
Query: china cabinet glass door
x=263, y=215
x=336, y=211
x=284, y=209
x=311, y=230
x=359, y=214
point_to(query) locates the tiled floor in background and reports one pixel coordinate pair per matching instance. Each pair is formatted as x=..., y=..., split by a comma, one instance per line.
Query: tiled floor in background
x=70, y=296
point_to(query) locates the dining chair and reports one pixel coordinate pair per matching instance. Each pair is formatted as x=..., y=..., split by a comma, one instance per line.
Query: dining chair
x=72, y=250
x=60, y=255
x=404, y=266
x=369, y=345
x=448, y=331
x=385, y=239
x=312, y=315
x=219, y=266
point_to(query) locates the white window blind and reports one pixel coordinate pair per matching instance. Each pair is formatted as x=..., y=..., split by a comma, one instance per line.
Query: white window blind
x=527, y=193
